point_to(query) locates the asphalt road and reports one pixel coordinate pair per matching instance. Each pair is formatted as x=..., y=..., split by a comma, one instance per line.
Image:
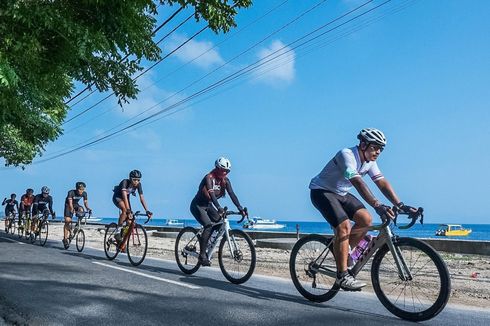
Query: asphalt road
x=52, y=286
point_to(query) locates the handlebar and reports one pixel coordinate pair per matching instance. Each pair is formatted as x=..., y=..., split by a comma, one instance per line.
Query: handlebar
x=227, y=212
x=414, y=216
x=138, y=213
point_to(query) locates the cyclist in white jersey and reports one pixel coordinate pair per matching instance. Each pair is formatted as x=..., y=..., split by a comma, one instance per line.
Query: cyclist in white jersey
x=330, y=195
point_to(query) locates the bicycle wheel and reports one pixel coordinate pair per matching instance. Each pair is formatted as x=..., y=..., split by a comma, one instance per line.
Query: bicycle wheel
x=187, y=250
x=137, y=245
x=237, y=263
x=33, y=234
x=43, y=233
x=313, y=269
x=20, y=230
x=9, y=226
x=80, y=240
x=425, y=294
x=110, y=243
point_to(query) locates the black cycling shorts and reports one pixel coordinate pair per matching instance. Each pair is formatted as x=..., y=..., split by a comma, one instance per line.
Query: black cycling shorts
x=68, y=213
x=335, y=208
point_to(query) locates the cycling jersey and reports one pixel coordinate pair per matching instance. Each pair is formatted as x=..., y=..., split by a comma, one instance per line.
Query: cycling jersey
x=10, y=205
x=338, y=172
x=75, y=197
x=41, y=203
x=212, y=188
x=26, y=200
x=127, y=185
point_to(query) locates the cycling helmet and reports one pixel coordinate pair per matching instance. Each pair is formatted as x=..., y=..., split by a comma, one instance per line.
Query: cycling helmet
x=372, y=136
x=223, y=163
x=29, y=191
x=45, y=190
x=13, y=195
x=135, y=174
x=80, y=184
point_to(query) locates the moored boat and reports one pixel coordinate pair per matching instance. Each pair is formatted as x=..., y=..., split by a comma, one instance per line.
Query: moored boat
x=260, y=223
x=448, y=230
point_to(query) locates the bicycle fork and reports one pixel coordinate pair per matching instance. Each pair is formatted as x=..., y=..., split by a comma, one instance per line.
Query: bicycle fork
x=403, y=270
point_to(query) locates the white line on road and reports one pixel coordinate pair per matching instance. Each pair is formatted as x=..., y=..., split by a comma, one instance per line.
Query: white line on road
x=149, y=276
x=12, y=240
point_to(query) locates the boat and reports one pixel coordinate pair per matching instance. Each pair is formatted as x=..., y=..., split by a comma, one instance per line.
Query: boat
x=174, y=223
x=260, y=223
x=452, y=230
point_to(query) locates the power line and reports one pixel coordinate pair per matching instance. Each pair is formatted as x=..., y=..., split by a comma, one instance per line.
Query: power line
x=229, y=78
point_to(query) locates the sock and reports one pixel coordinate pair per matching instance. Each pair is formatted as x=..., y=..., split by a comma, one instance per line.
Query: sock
x=341, y=274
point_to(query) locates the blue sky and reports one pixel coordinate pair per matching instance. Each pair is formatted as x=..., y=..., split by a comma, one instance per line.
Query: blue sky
x=418, y=70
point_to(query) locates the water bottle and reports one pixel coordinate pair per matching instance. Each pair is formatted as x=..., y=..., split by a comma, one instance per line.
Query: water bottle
x=357, y=252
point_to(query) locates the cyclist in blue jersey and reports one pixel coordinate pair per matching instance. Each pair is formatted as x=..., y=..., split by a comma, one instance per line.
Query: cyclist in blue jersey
x=329, y=192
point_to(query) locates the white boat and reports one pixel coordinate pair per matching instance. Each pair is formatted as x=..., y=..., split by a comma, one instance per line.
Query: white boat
x=174, y=223
x=260, y=223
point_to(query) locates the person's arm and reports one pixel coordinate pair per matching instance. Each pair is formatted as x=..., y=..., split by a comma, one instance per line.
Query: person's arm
x=17, y=206
x=142, y=200
x=50, y=204
x=233, y=197
x=3, y=202
x=70, y=205
x=209, y=187
x=388, y=191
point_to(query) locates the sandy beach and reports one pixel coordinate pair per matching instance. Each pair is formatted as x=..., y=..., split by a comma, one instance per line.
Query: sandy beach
x=466, y=289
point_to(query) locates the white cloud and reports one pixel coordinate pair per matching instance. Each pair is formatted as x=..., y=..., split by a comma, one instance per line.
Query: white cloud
x=192, y=50
x=277, y=70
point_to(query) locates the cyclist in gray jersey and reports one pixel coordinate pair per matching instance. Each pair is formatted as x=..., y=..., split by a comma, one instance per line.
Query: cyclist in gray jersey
x=329, y=192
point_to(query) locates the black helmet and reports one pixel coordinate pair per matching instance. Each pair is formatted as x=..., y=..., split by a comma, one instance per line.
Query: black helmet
x=13, y=195
x=135, y=174
x=45, y=190
x=29, y=190
x=80, y=184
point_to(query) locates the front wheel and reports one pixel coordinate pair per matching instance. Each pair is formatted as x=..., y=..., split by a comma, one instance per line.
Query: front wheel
x=137, y=245
x=43, y=233
x=237, y=258
x=313, y=268
x=80, y=240
x=110, y=243
x=421, y=296
x=187, y=250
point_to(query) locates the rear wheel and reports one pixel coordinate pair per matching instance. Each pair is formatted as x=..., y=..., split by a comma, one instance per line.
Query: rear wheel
x=43, y=233
x=313, y=268
x=237, y=260
x=187, y=250
x=110, y=243
x=80, y=240
x=419, y=298
x=137, y=245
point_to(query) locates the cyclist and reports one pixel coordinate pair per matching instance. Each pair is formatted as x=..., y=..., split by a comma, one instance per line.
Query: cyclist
x=11, y=205
x=72, y=206
x=26, y=204
x=330, y=195
x=41, y=202
x=205, y=206
x=121, y=197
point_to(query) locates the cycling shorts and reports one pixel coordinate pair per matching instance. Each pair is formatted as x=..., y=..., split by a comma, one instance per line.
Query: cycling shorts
x=335, y=208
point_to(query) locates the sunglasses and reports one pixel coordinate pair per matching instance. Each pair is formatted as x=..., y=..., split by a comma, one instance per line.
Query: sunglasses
x=136, y=179
x=376, y=148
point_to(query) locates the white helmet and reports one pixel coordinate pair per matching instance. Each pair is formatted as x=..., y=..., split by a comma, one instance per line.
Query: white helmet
x=223, y=163
x=372, y=136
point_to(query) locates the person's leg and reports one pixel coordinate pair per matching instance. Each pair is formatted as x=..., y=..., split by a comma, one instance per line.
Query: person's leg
x=122, y=210
x=202, y=217
x=362, y=220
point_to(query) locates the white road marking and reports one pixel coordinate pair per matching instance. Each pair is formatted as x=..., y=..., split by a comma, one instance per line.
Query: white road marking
x=149, y=276
x=12, y=240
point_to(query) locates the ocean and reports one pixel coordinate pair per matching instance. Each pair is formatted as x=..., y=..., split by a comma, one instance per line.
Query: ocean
x=480, y=231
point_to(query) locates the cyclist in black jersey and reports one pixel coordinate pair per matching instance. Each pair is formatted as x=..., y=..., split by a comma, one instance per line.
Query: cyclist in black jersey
x=205, y=206
x=72, y=205
x=121, y=196
x=41, y=202
x=11, y=205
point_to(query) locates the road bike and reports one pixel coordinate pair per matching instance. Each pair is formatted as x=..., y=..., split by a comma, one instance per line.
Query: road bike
x=11, y=225
x=76, y=232
x=236, y=253
x=408, y=276
x=134, y=240
x=41, y=227
x=24, y=224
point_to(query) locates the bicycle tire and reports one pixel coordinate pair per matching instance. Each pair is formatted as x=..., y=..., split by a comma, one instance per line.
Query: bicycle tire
x=303, y=269
x=238, y=257
x=135, y=248
x=187, y=249
x=43, y=232
x=80, y=240
x=20, y=230
x=110, y=245
x=419, y=265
